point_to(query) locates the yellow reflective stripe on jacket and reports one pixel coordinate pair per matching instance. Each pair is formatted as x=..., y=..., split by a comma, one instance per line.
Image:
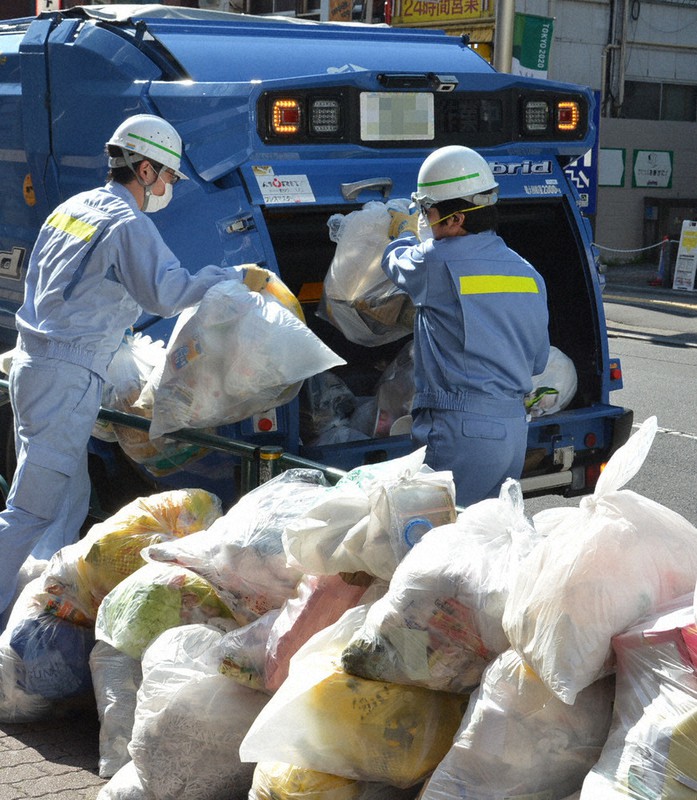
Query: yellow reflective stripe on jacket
x=75, y=227
x=497, y=284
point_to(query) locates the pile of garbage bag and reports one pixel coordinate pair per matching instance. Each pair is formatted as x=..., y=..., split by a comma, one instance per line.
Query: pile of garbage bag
x=369, y=640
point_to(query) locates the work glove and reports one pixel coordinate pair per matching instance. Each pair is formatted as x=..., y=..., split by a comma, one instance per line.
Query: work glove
x=255, y=277
x=402, y=222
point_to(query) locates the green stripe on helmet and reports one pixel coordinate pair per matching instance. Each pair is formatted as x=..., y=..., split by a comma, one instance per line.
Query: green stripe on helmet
x=450, y=180
x=155, y=144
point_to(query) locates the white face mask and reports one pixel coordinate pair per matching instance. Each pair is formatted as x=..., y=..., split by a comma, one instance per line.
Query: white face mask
x=153, y=202
x=424, y=230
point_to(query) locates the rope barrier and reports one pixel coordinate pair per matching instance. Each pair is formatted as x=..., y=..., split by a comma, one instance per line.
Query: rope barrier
x=636, y=249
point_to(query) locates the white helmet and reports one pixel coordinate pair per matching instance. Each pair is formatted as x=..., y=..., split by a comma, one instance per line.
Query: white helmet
x=150, y=137
x=455, y=172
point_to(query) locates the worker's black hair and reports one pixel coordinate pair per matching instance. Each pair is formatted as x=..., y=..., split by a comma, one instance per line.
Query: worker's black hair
x=483, y=219
x=124, y=175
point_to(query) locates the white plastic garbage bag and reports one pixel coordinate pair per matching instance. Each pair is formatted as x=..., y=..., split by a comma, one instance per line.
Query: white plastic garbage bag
x=599, y=568
x=190, y=720
x=356, y=527
x=439, y=625
x=358, y=298
x=124, y=785
x=235, y=354
x=116, y=678
x=517, y=740
x=554, y=388
x=651, y=751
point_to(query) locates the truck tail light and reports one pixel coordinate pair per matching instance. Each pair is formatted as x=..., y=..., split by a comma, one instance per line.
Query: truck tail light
x=536, y=116
x=615, y=375
x=568, y=115
x=593, y=472
x=325, y=116
x=286, y=117
x=559, y=116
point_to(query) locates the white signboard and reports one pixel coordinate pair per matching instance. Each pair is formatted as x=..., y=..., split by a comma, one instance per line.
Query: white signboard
x=686, y=261
x=653, y=168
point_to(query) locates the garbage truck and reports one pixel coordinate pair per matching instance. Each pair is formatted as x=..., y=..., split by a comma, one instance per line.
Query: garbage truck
x=287, y=123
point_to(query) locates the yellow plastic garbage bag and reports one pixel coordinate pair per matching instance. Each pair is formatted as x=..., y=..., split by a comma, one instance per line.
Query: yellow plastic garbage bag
x=323, y=719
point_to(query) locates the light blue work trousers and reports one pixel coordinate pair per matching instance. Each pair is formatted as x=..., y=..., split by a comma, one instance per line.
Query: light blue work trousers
x=55, y=405
x=481, y=451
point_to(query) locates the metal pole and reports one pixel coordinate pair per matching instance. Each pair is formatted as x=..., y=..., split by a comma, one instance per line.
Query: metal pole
x=503, y=35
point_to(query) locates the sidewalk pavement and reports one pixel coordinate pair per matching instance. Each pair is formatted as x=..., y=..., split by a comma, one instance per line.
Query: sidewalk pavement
x=52, y=759
x=644, y=278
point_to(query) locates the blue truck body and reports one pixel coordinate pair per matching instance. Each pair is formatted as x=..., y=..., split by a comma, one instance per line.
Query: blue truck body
x=67, y=79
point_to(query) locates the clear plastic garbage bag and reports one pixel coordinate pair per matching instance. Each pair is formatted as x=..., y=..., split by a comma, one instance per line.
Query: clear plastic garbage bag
x=598, y=569
x=242, y=553
x=115, y=678
x=326, y=720
x=133, y=364
x=439, y=624
x=190, y=720
x=342, y=532
x=80, y=575
x=358, y=298
x=235, y=354
x=154, y=599
x=651, y=751
x=517, y=740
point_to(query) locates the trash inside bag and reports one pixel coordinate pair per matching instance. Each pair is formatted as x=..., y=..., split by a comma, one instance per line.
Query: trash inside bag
x=394, y=392
x=598, y=569
x=554, y=388
x=279, y=781
x=321, y=600
x=154, y=599
x=190, y=720
x=129, y=370
x=358, y=298
x=235, y=354
x=651, y=750
x=440, y=623
x=518, y=740
x=55, y=656
x=326, y=720
x=80, y=575
x=242, y=553
x=347, y=532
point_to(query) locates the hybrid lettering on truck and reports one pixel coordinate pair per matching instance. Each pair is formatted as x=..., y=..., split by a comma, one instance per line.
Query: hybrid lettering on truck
x=287, y=123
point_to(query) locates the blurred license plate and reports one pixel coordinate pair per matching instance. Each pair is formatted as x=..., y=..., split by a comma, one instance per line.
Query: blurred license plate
x=390, y=116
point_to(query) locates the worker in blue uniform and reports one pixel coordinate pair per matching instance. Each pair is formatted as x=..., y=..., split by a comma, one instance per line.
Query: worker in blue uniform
x=98, y=262
x=480, y=329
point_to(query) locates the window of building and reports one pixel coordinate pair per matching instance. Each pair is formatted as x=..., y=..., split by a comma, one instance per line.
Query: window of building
x=661, y=101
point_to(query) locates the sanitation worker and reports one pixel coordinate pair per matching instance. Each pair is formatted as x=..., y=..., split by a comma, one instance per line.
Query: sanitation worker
x=480, y=330
x=98, y=262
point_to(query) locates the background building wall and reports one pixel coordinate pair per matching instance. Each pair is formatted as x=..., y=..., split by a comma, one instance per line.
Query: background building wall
x=660, y=47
